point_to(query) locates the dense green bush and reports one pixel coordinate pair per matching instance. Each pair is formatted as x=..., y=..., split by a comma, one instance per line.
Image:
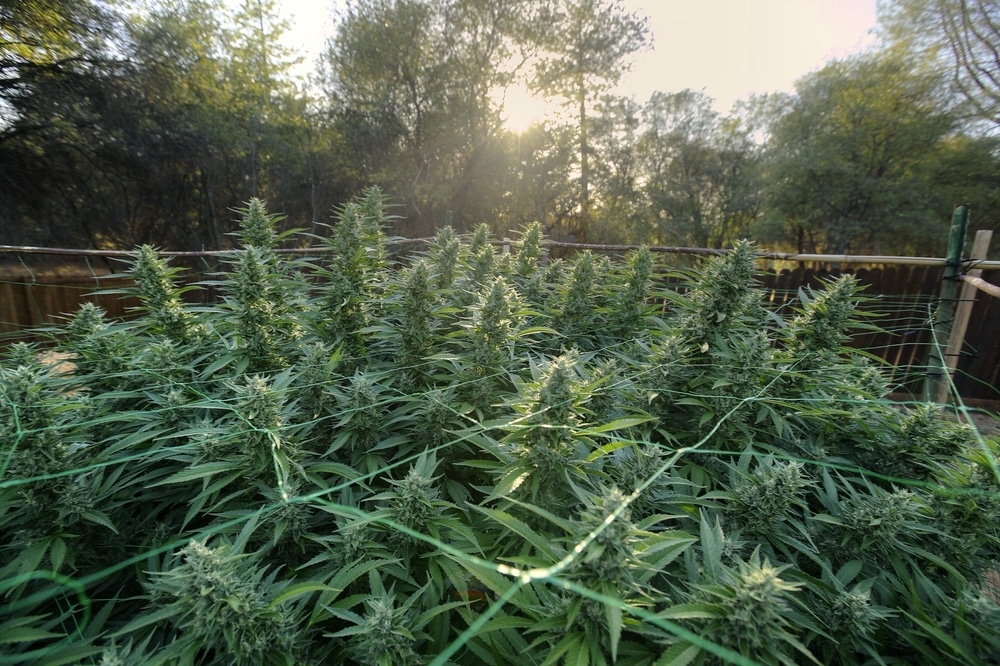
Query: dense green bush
x=480, y=458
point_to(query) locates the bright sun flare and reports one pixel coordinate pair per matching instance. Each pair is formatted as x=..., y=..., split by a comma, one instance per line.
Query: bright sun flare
x=521, y=109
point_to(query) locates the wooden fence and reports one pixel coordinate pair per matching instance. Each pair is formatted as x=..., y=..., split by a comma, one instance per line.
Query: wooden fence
x=902, y=300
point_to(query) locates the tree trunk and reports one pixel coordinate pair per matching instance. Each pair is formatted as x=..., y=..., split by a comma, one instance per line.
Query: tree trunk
x=584, y=153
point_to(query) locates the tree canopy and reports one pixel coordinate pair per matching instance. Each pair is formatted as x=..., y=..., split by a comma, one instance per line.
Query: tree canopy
x=962, y=36
x=152, y=122
x=584, y=48
x=850, y=157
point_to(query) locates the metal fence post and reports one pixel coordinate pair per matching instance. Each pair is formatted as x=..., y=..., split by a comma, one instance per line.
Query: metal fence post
x=944, y=315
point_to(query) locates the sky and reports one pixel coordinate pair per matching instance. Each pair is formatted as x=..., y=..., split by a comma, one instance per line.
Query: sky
x=731, y=48
x=724, y=48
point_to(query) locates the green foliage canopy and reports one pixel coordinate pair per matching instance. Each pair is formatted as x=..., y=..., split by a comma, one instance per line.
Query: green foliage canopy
x=851, y=168
x=961, y=36
x=482, y=460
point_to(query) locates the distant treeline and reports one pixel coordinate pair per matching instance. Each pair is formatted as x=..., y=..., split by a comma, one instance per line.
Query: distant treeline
x=125, y=124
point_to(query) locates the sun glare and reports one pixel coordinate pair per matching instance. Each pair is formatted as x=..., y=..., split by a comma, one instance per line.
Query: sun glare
x=522, y=109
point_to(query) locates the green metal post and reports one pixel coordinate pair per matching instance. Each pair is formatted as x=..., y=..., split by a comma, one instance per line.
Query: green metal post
x=944, y=316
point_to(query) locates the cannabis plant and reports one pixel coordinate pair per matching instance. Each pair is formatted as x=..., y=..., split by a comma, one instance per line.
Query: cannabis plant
x=216, y=600
x=444, y=256
x=352, y=281
x=472, y=458
x=155, y=284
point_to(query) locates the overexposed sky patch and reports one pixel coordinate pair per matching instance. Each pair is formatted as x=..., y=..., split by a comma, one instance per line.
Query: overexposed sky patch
x=726, y=48
x=732, y=48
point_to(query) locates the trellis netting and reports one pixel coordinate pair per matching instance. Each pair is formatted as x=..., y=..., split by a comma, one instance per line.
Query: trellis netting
x=481, y=458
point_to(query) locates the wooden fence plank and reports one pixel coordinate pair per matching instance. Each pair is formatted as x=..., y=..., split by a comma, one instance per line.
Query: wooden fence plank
x=963, y=312
x=978, y=371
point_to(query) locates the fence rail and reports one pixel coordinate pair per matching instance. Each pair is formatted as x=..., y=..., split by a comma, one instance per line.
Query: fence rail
x=887, y=260
x=982, y=285
x=903, y=294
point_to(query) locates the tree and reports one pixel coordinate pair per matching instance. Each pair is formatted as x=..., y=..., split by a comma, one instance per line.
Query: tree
x=543, y=157
x=849, y=170
x=585, y=45
x=257, y=83
x=46, y=41
x=152, y=125
x=175, y=123
x=963, y=35
x=699, y=171
x=232, y=123
x=409, y=83
x=966, y=169
x=53, y=59
x=619, y=215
